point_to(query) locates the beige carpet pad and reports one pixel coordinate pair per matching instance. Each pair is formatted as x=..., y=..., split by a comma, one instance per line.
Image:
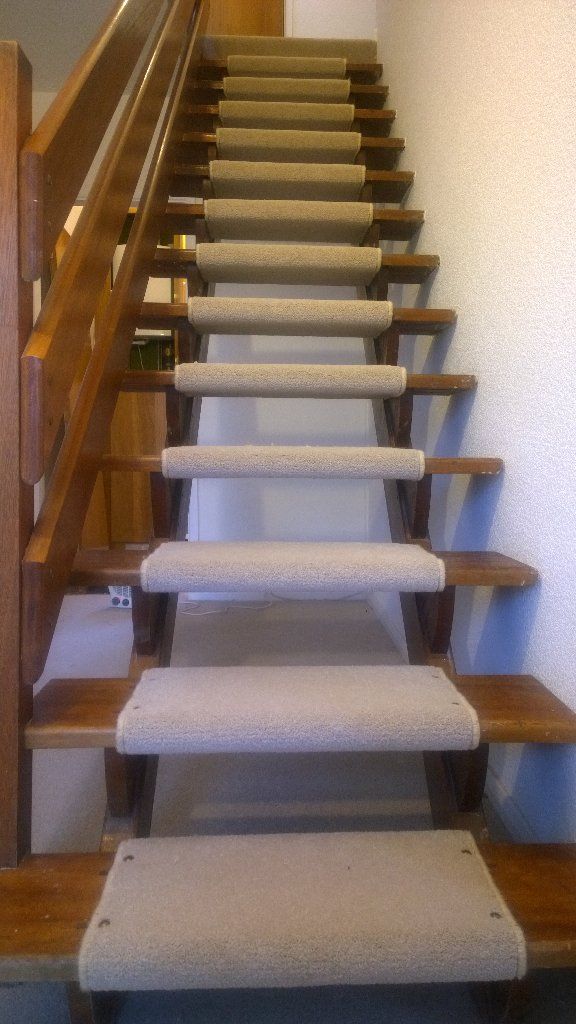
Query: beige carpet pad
x=276, y=567
x=319, y=117
x=242, y=179
x=303, y=709
x=245, y=64
x=305, y=90
x=250, y=911
x=290, y=380
x=288, y=145
x=325, y=318
x=286, y=220
x=288, y=264
x=219, y=47
x=274, y=460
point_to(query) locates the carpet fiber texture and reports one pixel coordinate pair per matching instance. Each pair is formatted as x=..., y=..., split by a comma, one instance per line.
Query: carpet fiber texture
x=284, y=144
x=290, y=380
x=285, y=220
x=218, y=47
x=307, y=568
x=320, y=117
x=241, y=179
x=288, y=264
x=299, y=910
x=274, y=460
x=305, y=709
x=306, y=90
x=290, y=67
x=325, y=318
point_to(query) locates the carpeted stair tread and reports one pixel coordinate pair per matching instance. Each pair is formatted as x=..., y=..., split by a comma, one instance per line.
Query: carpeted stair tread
x=317, y=147
x=246, y=64
x=243, y=179
x=215, y=47
x=259, y=114
x=286, y=220
x=305, y=90
x=288, y=264
x=283, y=567
x=326, y=318
x=256, y=911
x=295, y=709
x=190, y=461
x=290, y=380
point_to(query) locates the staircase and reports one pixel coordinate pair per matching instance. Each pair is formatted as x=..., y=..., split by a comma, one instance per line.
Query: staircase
x=288, y=142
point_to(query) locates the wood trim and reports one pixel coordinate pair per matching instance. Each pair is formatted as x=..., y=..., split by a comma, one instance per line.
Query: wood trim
x=56, y=158
x=16, y=499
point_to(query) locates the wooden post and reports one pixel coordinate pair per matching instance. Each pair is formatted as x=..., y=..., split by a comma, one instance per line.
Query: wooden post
x=16, y=500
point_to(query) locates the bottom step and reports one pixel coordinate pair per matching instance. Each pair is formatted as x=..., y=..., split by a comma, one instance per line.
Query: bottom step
x=299, y=910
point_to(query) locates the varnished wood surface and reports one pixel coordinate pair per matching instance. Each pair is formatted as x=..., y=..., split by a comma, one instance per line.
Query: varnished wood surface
x=246, y=18
x=417, y=383
x=387, y=186
x=102, y=568
x=368, y=72
x=56, y=158
x=72, y=713
x=46, y=903
x=16, y=500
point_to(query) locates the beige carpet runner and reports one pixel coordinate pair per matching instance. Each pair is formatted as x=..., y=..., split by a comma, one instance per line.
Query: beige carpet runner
x=250, y=263
x=274, y=460
x=354, y=50
x=290, y=67
x=299, y=910
x=242, y=179
x=325, y=318
x=309, y=116
x=304, y=709
x=282, y=568
x=289, y=380
x=306, y=90
x=288, y=220
x=286, y=144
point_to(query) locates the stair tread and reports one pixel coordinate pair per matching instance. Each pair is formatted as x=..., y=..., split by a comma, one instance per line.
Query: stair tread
x=170, y=315
x=46, y=902
x=365, y=118
x=417, y=383
x=108, y=567
x=387, y=186
x=381, y=152
x=368, y=71
x=72, y=713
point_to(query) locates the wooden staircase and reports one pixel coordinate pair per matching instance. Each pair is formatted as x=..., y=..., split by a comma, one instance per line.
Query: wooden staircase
x=47, y=901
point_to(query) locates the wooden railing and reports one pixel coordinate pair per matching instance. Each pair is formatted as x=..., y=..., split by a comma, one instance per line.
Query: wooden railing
x=55, y=426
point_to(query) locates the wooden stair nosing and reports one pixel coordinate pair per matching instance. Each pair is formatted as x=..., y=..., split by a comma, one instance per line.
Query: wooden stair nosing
x=400, y=268
x=434, y=466
x=369, y=72
x=74, y=713
x=171, y=315
x=46, y=903
x=425, y=384
x=103, y=567
x=387, y=186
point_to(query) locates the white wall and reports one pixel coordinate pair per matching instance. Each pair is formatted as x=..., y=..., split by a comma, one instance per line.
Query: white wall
x=486, y=97
x=345, y=19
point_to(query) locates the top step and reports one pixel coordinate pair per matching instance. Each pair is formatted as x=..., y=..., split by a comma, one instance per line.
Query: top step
x=220, y=47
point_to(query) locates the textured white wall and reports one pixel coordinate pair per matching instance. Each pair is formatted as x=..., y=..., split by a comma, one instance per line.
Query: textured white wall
x=486, y=95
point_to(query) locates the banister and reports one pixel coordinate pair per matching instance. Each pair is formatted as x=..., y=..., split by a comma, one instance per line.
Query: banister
x=51, y=357
x=57, y=156
x=48, y=559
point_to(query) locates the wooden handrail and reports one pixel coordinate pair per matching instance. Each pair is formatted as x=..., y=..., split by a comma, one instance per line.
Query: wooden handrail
x=50, y=553
x=51, y=357
x=56, y=158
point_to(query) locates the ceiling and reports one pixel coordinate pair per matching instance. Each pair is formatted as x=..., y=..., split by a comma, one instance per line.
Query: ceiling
x=52, y=33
